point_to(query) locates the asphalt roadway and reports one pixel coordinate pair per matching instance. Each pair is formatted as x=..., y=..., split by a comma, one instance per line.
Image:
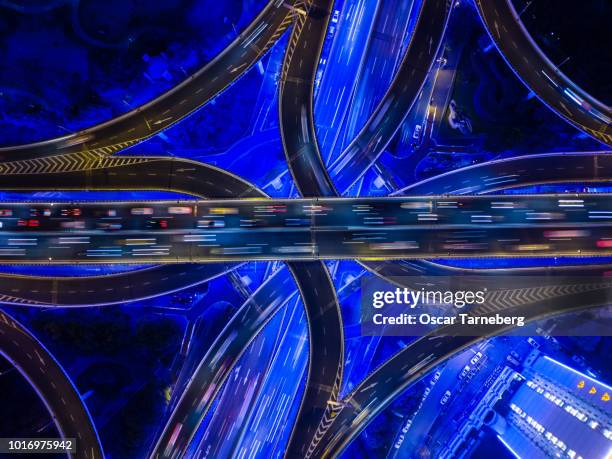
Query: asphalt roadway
x=52, y=385
x=140, y=173
x=296, y=100
x=336, y=228
x=502, y=174
x=543, y=77
x=388, y=116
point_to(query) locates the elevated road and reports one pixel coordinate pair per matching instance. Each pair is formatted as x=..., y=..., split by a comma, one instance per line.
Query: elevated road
x=218, y=363
x=52, y=385
x=133, y=173
x=400, y=272
x=495, y=176
x=388, y=116
x=204, y=181
x=299, y=138
x=137, y=173
x=298, y=229
x=169, y=108
x=43, y=291
x=315, y=286
x=325, y=354
x=503, y=174
x=296, y=99
x=388, y=381
x=542, y=76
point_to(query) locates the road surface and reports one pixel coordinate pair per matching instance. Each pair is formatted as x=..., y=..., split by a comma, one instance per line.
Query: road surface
x=502, y=174
x=45, y=291
x=388, y=116
x=306, y=229
x=52, y=385
x=296, y=100
x=543, y=77
x=325, y=354
x=137, y=173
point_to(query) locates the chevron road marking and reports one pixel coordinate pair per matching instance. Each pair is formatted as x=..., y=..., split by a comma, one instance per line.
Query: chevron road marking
x=65, y=163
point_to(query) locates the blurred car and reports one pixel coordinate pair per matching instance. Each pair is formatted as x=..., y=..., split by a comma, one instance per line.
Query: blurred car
x=180, y=210
x=30, y=223
x=109, y=226
x=142, y=211
x=211, y=223
x=71, y=212
x=157, y=224
x=74, y=224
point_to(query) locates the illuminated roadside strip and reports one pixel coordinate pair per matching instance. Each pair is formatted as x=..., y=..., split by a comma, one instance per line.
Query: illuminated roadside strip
x=576, y=372
x=508, y=447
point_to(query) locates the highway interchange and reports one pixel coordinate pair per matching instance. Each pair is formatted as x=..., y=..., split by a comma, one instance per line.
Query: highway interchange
x=332, y=228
